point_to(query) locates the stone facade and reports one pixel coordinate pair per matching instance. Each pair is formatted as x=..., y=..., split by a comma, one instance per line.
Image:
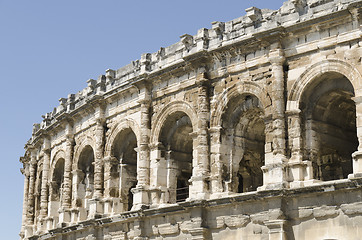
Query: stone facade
x=249, y=130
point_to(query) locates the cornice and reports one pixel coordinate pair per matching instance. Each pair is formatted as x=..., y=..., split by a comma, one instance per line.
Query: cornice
x=261, y=28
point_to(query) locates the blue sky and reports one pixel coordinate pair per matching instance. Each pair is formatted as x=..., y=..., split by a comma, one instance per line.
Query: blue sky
x=49, y=49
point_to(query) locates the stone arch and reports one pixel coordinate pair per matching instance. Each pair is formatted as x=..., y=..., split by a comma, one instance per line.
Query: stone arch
x=122, y=151
x=243, y=88
x=318, y=69
x=88, y=141
x=242, y=141
x=173, y=107
x=122, y=125
x=56, y=180
x=323, y=93
x=57, y=155
x=173, y=146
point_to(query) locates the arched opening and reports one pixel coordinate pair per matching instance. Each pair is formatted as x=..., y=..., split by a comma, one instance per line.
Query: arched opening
x=85, y=181
x=56, y=188
x=57, y=181
x=177, y=147
x=329, y=117
x=242, y=144
x=124, y=150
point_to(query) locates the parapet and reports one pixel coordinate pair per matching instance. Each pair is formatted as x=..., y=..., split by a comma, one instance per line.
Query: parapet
x=256, y=22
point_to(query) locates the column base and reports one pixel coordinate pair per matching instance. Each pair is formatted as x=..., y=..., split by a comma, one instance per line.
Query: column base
x=64, y=217
x=306, y=183
x=275, y=174
x=74, y=213
x=95, y=208
x=155, y=197
x=357, y=162
x=112, y=206
x=140, y=198
x=29, y=230
x=222, y=194
x=354, y=176
x=273, y=186
x=51, y=222
x=198, y=189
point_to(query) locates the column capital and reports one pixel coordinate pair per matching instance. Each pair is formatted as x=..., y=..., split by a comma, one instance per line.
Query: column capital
x=276, y=56
x=201, y=79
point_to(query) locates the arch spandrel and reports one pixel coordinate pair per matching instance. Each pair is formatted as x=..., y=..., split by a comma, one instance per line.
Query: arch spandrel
x=317, y=70
x=121, y=126
x=161, y=117
x=243, y=88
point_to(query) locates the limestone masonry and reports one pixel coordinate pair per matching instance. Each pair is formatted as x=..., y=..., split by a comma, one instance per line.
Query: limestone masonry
x=249, y=130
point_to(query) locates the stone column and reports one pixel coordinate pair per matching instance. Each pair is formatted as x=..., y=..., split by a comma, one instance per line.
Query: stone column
x=215, y=162
x=110, y=185
x=157, y=172
x=95, y=203
x=201, y=171
x=276, y=57
x=98, y=162
x=25, y=172
x=64, y=215
x=143, y=172
x=32, y=175
x=312, y=148
x=171, y=178
x=357, y=156
x=140, y=193
x=77, y=213
x=44, y=188
x=299, y=170
x=275, y=163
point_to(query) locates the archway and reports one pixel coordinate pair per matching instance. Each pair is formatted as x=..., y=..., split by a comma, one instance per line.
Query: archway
x=56, y=188
x=242, y=144
x=125, y=172
x=329, y=124
x=177, y=149
x=85, y=180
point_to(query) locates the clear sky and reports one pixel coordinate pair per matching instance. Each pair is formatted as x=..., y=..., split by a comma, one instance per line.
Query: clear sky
x=49, y=49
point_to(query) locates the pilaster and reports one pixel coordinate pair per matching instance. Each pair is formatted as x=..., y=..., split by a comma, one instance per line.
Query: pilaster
x=357, y=156
x=44, y=188
x=64, y=213
x=98, y=176
x=201, y=170
x=95, y=204
x=215, y=162
x=31, y=200
x=300, y=170
x=140, y=192
x=275, y=161
x=25, y=172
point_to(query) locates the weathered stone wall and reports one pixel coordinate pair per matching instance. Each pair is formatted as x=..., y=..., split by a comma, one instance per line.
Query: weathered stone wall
x=250, y=129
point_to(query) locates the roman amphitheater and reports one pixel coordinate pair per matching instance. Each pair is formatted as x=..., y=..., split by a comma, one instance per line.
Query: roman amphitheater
x=251, y=129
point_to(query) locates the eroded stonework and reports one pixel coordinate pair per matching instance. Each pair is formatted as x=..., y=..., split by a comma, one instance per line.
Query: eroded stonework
x=249, y=130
